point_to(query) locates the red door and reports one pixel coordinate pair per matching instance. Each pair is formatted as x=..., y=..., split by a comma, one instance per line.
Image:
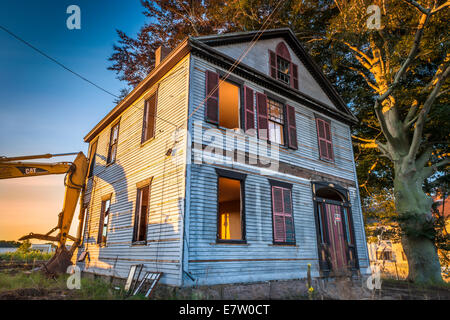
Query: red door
x=338, y=246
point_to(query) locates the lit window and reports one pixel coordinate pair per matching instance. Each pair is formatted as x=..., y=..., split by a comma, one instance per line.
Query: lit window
x=276, y=121
x=228, y=105
x=230, y=224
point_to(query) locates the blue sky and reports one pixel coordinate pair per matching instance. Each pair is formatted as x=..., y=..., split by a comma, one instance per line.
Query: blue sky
x=46, y=109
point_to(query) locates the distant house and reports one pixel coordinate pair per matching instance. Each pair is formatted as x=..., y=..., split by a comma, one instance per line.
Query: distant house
x=44, y=248
x=224, y=168
x=389, y=257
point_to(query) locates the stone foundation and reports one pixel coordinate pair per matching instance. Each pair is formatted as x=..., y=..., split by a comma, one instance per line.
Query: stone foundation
x=324, y=288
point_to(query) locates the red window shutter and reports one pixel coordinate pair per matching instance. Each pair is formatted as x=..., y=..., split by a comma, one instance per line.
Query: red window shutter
x=249, y=113
x=263, y=122
x=292, y=128
x=212, y=94
x=324, y=137
x=294, y=76
x=279, y=228
x=273, y=64
x=289, y=220
x=283, y=221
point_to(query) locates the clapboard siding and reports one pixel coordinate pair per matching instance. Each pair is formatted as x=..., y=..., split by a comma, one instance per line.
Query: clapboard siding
x=136, y=163
x=307, y=155
x=258, y=259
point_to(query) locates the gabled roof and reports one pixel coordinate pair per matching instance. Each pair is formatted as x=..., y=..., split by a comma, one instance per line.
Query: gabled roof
x=288, y=35
x=204, y=45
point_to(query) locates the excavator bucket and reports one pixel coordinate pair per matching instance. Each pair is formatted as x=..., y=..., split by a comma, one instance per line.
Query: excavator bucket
x=59, y=263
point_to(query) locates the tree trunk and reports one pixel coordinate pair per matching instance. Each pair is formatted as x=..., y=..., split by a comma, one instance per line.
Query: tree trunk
x=417, y=225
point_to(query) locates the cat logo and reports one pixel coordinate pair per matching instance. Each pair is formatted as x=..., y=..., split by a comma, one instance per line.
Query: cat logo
x=30, y=171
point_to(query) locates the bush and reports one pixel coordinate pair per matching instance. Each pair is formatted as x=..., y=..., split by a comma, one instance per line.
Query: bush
x=20, y=256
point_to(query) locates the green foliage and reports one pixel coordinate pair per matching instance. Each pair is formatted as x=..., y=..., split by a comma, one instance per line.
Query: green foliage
x=25, y=247
x=56, y=288
x=20, y=256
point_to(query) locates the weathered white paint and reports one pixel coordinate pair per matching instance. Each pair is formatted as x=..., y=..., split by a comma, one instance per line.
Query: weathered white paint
x=135, y=163
x=183, y=202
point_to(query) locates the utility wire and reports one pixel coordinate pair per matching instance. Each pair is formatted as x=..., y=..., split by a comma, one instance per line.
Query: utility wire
x=255, y=38
x=55, y=61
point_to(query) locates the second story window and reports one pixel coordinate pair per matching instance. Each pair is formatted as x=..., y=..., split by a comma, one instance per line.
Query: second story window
x=113, y=139
x=222, y=103
x=92, y=154
x=148, y=127
x=276, y=121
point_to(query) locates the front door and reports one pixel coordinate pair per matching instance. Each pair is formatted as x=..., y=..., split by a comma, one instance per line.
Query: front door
x=337, y=247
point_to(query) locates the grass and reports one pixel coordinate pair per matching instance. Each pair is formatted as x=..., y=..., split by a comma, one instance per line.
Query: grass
x=47, y=288
x=19, y=256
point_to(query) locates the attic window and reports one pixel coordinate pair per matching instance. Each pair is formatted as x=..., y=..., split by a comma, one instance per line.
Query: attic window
x=283, y=67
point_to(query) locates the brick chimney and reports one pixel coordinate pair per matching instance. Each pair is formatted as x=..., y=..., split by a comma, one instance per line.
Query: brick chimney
x=160, y=54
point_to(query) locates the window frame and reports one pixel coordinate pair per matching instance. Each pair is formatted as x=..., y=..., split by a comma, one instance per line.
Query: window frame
x=146, y=115
x=134, y=240
x=92, y=157
x=110, y=145
x=286, y=186
x=283, y=114
x=221, y=173
x=240, y=84
x=278, y=70
x=100, y=241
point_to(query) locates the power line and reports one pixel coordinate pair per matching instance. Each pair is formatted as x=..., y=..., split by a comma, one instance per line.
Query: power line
x=236, y=62
x=55, y=61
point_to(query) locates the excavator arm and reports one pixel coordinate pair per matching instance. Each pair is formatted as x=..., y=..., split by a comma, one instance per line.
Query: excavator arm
x=76, y=172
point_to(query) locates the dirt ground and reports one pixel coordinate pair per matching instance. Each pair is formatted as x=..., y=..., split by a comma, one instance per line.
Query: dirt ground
x=36, y=294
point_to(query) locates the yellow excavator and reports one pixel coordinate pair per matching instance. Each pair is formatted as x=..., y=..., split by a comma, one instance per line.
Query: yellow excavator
x=76, y=172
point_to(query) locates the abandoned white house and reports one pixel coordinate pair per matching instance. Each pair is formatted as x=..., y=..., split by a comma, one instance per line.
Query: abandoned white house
x=230, y=162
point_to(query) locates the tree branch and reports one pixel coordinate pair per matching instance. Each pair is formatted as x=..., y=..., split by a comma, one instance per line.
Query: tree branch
x=428, y=171
x=418, y=6
x=417, y=136
x=445, y=5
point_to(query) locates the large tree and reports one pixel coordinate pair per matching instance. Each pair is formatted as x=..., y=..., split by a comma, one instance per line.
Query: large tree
x=406, y=63
x=393, y=78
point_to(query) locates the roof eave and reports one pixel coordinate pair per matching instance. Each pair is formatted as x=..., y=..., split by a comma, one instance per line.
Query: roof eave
x=172, y=58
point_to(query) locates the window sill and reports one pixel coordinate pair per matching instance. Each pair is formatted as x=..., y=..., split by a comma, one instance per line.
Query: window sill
x=143, y=144
x=283, y=245
x=109, y=164
x=234, y=243
x=328, y=161
x=139, y=243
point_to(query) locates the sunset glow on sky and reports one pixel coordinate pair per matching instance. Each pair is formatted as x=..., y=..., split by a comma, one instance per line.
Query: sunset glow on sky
x=46, y=109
